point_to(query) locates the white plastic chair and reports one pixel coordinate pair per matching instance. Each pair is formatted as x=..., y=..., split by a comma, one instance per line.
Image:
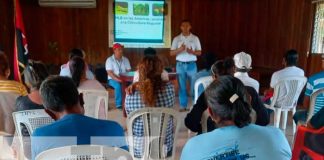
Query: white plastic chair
x=93, y=99
x=85, y=152
x=155, y=125
x=205, y=81
x=7, y=107
x=32, y=119
x=313, y=97
x=285, y=97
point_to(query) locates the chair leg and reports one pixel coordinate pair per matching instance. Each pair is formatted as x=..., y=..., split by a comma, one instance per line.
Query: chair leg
x=284, y=120
x=277, y=115
x=294, y=124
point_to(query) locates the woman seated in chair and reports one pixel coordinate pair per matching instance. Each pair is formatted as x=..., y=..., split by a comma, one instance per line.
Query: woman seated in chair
x=34, y=74
x=235, y=137
x=78, y=71
x=149, y=91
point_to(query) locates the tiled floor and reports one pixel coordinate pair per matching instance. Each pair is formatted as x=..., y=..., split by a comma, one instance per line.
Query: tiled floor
x=116, y=115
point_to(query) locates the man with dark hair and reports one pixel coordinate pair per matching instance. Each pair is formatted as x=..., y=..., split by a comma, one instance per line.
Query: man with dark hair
x=65, y=70
x=186, y=47
x=61, y=101
x=290, y=63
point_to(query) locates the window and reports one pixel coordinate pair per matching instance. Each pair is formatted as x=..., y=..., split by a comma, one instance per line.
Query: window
x=318, y=34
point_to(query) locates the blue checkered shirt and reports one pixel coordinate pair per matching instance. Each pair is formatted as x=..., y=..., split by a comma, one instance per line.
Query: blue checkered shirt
x=165, y=98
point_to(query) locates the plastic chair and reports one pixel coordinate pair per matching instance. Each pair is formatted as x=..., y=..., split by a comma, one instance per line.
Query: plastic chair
x=93, y=100
x=7, y=107
x=32, y=119
x=308, y=144
x=205, y=81
x=85, y=152
x=155, y=125
x=285, y=97
x=312, y=103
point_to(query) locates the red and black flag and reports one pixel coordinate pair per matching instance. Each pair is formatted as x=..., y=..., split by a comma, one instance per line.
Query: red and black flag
x=20, y=48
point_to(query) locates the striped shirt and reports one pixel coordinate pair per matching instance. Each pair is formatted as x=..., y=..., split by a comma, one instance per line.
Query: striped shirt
x=314, y=83
x=13, y=87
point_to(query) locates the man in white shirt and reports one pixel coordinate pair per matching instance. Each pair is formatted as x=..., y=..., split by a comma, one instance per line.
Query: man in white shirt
x=65, y=70
x=290, y=61
x=243, y=63
x=115, y=65
x=186, y=47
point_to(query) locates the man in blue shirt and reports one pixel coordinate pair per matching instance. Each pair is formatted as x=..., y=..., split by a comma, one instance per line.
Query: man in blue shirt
x=314, y=83
x=62, y=102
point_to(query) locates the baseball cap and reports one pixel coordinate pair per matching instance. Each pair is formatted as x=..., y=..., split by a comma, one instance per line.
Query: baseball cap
x=117, y=45
x=243, y=60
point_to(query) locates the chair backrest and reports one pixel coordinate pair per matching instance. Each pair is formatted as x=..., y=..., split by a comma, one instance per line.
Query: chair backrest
x=312, y=103
x=32, y=119
x=308, y=144
x=85, y=152
x=7, y=107
x=93, y=100
x=205, y=81
x=156, y=121
x=287, y=91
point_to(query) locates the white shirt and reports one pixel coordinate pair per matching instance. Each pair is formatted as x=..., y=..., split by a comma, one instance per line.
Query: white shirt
x=164, y=76
x=191, y=42
x=117, y=66
x=286, y=72
x=65, y=71
x=247, y=80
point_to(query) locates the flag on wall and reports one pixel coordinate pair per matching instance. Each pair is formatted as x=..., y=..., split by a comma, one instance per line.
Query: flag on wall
x=20, y=48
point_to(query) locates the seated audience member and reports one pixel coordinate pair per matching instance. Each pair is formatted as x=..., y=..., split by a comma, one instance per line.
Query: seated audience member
x=208, y=61
x=235, y=138
x=317, y=121
x=314, y=83
x=62, y=102
x=115, y=65
x=220, y=68
x=78, y=69
x=9, y=90
x=34, y=74
x=151, y=52
x=290, y=61
x=65, y=71
x=243, y=63
x=150, y=91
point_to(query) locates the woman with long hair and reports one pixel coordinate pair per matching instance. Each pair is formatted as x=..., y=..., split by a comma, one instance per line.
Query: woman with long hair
x=235, y=137
x=150, y=91
x=78, y=70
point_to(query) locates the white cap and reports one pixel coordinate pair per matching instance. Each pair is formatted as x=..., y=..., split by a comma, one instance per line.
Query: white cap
x=243, y=60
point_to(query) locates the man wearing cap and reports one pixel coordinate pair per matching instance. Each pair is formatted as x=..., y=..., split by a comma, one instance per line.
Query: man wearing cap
x=186, y=47
x=115, y=65
x=243, y=63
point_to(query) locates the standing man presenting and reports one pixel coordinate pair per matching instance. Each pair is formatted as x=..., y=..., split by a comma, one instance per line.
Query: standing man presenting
x=186, y=47
x=115, y=65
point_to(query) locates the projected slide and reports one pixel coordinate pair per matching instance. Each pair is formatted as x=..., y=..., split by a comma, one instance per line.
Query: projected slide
x=139, y=21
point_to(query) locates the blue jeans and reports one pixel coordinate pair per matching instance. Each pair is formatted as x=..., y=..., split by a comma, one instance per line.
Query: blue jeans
x=184, y=71
x=118, y=92
x=201, y=73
